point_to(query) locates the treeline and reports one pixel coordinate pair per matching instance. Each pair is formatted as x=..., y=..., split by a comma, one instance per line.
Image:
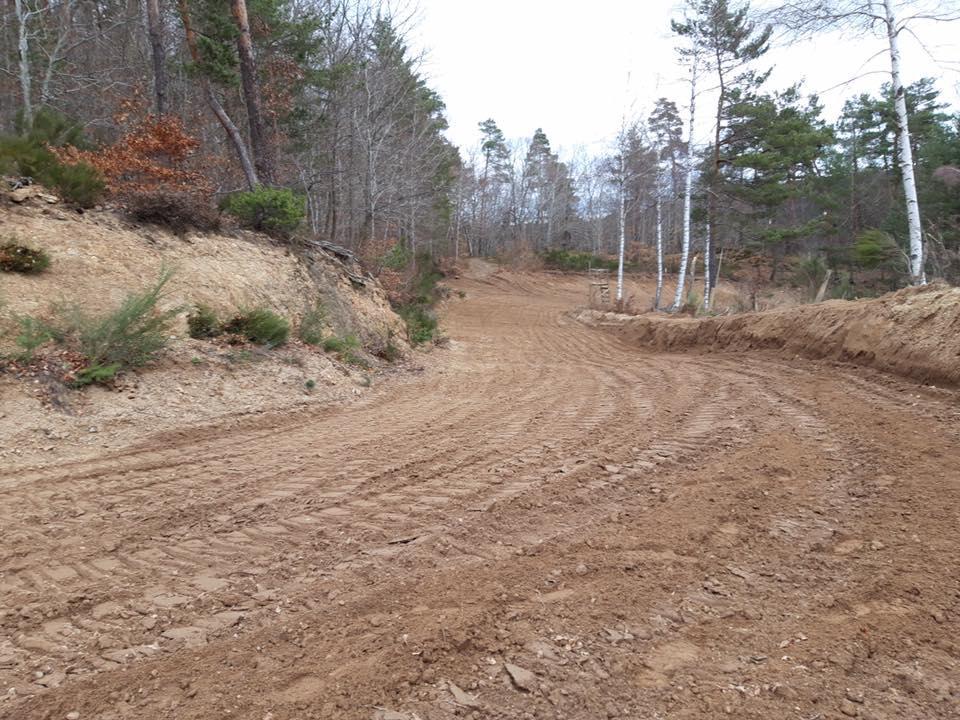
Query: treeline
x=312, y=108
x=775, y=178
x=313, y=116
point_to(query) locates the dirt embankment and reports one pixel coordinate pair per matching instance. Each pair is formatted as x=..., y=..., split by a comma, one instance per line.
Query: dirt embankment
x=914, y=332
x=98, y=258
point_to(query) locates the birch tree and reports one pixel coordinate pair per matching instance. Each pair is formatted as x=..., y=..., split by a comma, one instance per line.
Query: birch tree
x=687, y=186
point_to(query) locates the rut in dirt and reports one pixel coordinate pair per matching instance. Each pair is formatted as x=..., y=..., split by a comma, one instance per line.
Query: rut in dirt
x=633, y=529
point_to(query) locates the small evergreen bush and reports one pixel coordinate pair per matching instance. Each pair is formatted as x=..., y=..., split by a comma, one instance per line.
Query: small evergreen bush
x=275, y=211
x=202, y=323
x=18, y=258
x=261, y=326
x=421, y=323
x=344, y=344
x=28, y=153
x=312, y=324
x=132, y=335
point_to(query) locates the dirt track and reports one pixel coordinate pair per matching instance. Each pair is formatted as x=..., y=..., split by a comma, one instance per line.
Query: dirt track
x=647, y=535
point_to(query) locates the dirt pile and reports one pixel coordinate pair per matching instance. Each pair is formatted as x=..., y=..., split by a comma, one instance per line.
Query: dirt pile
x=914, y=332
x=99, y=257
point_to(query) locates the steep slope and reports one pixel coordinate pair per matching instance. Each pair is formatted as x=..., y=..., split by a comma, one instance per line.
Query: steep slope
x=98, y=257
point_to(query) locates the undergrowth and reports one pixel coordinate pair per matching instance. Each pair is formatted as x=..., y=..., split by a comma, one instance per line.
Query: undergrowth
x=19, y=258
x=259, y=325
x=102, y=344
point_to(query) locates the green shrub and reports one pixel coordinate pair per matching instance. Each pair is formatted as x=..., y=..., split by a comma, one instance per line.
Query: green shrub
x=275, y=211
x=34, y=332
x=261, y=326
x=343, y=344
x=132, y=335
x=28, y=153
x=15, y=257
x=179, y=212
x=97, y=374
x=421, y=323
x=79, y=184
x=312, y=324
x=203, y=323
x=310, y=384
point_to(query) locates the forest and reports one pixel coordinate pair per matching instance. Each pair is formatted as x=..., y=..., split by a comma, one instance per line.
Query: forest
x=315, y=118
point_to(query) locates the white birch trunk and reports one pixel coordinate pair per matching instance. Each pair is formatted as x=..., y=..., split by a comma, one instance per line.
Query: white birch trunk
x=706, y=275
x=23, y=51
x=656, y=301
x=623, y=223
x=917, y=276
x=687, y=193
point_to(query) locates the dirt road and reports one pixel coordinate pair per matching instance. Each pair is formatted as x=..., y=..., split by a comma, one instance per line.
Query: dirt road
x=545, y=523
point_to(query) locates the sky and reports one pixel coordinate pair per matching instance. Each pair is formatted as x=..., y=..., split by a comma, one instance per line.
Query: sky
x=577, y=67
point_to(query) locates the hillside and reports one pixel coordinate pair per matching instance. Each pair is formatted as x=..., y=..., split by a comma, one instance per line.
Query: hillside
x=99, y=257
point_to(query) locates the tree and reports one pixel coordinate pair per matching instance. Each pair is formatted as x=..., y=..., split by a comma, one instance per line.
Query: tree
x=204, y=69
x=728, y=42
x=259, y=141
x=493, y=148
x=158, y=55
x=693, y=58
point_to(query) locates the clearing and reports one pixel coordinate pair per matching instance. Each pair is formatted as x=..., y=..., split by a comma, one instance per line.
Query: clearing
x=548, y=522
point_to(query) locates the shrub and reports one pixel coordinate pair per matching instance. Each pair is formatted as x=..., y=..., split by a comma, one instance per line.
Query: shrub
x=33, y=153
x=387, y=349
x=80, y=183
x=343, y=344
x=275, y=211
x=132, y=335
x=34, y=332
x=261, y=326
x=312, y=324
x=177, y=211
x=421, y=323
x=203, y=323
x=15, y=257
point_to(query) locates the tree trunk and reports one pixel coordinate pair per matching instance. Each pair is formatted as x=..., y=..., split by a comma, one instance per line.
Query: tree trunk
x=23, y=52
x=656, y=300
x=623, y=222
x=233, y=132
x=917, y=276
x=263, y=156
x=155, y=31
x=687, y=195
x=707, y=285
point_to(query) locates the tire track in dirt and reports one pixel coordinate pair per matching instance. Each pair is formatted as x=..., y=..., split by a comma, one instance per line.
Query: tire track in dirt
x=534, y=432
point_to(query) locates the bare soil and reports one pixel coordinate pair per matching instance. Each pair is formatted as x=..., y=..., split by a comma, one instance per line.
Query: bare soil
x=548, y=522
x=914, y=332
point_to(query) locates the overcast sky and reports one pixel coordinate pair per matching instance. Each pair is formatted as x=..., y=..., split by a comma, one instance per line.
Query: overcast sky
x=563, y=65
